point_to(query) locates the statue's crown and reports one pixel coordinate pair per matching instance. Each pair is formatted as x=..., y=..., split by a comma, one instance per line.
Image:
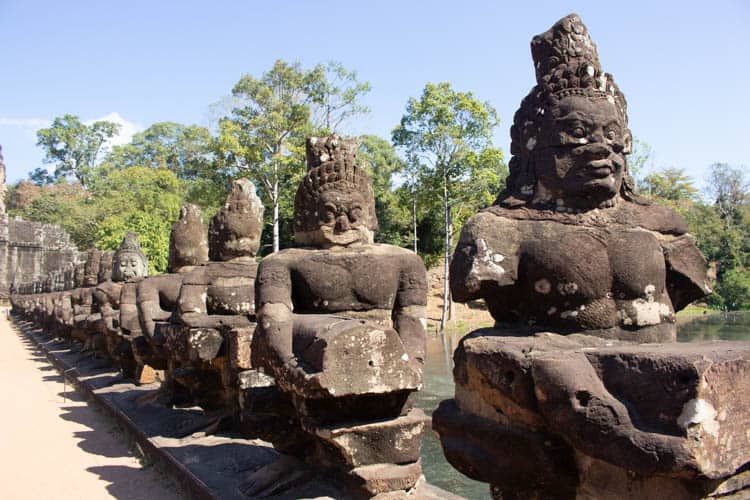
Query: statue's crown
x=332, y=164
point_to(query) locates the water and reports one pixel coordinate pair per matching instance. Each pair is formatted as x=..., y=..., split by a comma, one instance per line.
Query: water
x=439, y=386
x=714, y=326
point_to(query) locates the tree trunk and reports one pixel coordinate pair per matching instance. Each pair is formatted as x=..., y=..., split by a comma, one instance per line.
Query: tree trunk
x=275, y=196
x=414, y=219
x=447, y=255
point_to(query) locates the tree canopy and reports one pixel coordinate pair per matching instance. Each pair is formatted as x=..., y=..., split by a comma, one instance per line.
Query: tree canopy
x=73, y=147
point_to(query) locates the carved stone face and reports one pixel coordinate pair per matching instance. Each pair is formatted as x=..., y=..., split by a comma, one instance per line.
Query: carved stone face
x=128, y=266
x=580, y=154
x=343, y=218
x=235, y=231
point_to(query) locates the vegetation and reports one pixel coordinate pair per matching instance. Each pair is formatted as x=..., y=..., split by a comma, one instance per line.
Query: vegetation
x=447, y=139
x=438, y=168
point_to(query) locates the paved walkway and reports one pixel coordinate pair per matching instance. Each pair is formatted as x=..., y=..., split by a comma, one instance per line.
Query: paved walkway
x=56, y=448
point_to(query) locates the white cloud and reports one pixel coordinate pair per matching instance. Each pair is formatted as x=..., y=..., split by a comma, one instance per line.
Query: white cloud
x=127, y=128
x=35, y=123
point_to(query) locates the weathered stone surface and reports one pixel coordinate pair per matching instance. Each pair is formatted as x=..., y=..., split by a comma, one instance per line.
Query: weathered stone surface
x=667, y=414
x=235, y=231
x=380, y=479
x=188, y=345
x=395, y=441
x=340, y=329
x=238, y=341
x=188, y=241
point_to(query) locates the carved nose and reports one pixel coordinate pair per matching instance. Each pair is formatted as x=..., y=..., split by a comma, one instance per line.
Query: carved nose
x=595, y=150
x=342, y=223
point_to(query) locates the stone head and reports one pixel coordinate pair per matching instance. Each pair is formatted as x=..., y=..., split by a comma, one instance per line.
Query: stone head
x=129, y=262
x=80, y=274
x=70, y=274
x=188, y=242
x=105, y=266
x=91, y=269
x=335, y=204
x=235, y=231
x=570, y=137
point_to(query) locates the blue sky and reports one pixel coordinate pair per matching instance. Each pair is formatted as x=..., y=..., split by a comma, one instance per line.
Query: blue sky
x=683, y=66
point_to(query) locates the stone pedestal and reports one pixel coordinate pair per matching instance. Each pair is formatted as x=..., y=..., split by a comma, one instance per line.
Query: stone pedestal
x=581, y=416
x=205, y=361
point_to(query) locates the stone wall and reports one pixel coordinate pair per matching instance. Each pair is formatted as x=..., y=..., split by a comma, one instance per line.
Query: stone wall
x=31, y=249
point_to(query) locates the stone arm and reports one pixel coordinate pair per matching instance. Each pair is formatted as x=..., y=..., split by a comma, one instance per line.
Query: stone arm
x=409, y=311
x=64, y=312
x=194, y=310
x=485, y=263
x=273, y=303
x=149, y=294
x=577, y=405
x=129, y=321
x=103, y=305
x=687, y=278
x=82, y=300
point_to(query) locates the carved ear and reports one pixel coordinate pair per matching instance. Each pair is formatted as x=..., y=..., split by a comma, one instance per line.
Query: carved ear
x=628, y=142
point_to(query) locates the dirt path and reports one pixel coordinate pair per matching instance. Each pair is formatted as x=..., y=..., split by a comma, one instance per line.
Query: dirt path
x=58, y=448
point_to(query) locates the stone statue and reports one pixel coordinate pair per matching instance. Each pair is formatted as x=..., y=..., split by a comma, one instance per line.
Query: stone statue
x=569, y=245
x=341, y=319
x=127, y=264
x=562, y=398
x=82, y=297
x=215, y=305
x=157, y=295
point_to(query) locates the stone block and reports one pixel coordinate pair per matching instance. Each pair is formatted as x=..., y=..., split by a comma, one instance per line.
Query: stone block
x=378, y=479
x=650, y=417
x=395, y=441
x=238, y=347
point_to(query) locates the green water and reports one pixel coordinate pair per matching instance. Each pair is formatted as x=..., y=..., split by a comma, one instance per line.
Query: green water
x=439, y=386
x=714, y=326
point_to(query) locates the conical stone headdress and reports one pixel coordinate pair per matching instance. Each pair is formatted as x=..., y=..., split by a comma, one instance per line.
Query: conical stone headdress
x=566, y=63
x=331, y=165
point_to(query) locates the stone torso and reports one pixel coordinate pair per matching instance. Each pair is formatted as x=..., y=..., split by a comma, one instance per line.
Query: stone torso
x=229, y=287
x=107, y=294
x=592, y=278
x=356, y=281
x=599, y=270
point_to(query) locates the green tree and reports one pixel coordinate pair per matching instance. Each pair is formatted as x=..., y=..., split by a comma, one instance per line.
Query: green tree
x=263, y=138
x=379, y=158
x=267, y=129
x=73, y=147
x=336, y=96
x=447, y=134
x=143, y=200
x=729, y=188
x=640, y=160
x=188, y=151
x=65, y=204
x=734, y=289
x=670, y=184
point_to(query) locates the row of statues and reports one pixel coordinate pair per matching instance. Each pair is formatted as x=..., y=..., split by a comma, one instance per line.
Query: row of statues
x=318, y=349
x=579, y=390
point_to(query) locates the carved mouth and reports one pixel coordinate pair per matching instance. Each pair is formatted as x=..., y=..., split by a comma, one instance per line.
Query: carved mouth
x=598, y=169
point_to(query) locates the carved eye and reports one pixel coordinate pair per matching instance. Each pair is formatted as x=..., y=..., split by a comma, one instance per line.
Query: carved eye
x=355, y=214
x=578, y=132
x=611, y=134
x=330, y=215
